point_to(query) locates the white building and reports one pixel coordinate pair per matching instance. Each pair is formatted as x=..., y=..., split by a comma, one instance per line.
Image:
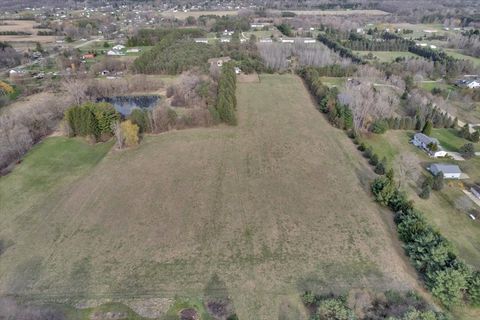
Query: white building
x=115, y=53
x=266, y=40
x=133, y=50
x=118, y=47
x=424, y=142
x=224, y=40
x=287, y=40
x=201, y=40
x=450, y=171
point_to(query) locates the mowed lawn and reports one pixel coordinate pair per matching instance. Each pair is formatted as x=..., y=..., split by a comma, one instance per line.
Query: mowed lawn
x=387, y=56
x=275, y=206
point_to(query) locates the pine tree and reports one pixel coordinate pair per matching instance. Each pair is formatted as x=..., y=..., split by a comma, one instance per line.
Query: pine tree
x=427, y=129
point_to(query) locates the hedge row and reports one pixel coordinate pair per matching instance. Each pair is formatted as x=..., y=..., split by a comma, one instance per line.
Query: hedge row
x=226, y=105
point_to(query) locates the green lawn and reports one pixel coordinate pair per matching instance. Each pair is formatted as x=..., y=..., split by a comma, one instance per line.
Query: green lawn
x=450, y=140
x=51, y=164
x=333, y=81
x=458, y=55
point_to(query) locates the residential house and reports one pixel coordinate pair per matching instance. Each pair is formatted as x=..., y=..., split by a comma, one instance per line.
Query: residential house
x=287, y=40
x=424, y=142
x=224, y=39
x=88, y=56
x=201, y=40
x=118, y=47
x=475, y=190
x=115, y=53
x=450, y=171
x=266, y=40
x=468, y=83
x=133, y=50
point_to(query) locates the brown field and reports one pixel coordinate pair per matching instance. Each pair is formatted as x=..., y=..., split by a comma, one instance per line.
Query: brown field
x=275, y=206
x=196, y=14
x=24, y=26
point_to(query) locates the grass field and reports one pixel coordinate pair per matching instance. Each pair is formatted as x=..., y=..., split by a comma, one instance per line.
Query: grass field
x=23, y=26
x=450, y=139
x=196, y=14
x=387, y=56
x=340, y=12
x=275, y=206
x=458, y=55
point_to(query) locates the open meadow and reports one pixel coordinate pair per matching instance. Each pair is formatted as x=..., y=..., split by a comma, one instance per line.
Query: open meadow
x=275, y=206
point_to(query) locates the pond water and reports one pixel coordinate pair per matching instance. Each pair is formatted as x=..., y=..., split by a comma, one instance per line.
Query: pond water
x=125, y=104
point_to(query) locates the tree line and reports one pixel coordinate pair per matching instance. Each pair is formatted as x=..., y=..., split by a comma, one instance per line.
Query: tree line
x=226, y=104
x=340, y=49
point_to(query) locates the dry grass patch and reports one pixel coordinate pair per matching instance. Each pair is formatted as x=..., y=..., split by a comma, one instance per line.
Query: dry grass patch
x=272, y=207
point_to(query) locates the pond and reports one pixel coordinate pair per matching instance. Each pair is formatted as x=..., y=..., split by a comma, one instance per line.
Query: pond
x=125, y=104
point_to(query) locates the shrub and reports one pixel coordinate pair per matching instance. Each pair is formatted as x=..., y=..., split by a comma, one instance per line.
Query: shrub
x=373, y=160
x=334, y=309
x=437, y=183
x=380, y=167
x=362, y=147
x=368, y=152
x=467, y=150
x=473, y=288
x=425, y=193
x=380, y=126
x=130, y=133
x=141, y=118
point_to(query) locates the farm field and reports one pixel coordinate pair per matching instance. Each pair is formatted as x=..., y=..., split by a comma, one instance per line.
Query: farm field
x=23, y=26
x=387, y=56
x=262, y=206
x=447, y=209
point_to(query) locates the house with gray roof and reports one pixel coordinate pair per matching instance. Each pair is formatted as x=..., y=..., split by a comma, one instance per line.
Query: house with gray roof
x=425, y=142
x=450, y=171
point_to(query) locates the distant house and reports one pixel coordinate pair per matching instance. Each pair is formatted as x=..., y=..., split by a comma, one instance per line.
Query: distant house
x=118, y=47
x=476, y=190
x=309, y=40
x=88, y=56
x=133, y=50
x=218, y=61
x=224, y=39
x=424, y=142
x=201, y=40
x=287, y=40
x=115, y=53
x=257, y=25
x=468, y=83
x=266, y=40
x=450, y=171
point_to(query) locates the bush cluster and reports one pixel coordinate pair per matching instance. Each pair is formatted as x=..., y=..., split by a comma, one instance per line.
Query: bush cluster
x=446, y=276
x=94, y=120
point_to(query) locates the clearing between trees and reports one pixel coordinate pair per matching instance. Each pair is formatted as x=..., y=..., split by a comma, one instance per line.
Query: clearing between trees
x=274, y=206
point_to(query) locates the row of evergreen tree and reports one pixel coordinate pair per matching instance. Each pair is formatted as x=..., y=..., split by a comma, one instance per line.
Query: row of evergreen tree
x=94, y=120
x=338, y=114
x=224, y=109
x=338, y=48
x=446, y=276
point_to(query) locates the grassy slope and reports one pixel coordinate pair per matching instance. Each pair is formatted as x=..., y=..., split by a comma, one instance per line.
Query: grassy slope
x=387, y=56
x=263, y=205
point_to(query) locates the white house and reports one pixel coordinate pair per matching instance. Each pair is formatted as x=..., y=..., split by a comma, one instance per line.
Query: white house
x=257, y=25
x=309, y=40
x=224, y=39
x=201, y=40
x=476, y=190
x=115, y=53
x=118, y=47
x=423, y=141
x=450, y=171
x=288, y=40
x=473, y=84
x=133, y=50
x=266, y=40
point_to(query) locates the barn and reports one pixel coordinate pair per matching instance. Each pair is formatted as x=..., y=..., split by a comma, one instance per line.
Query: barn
x=450, y=171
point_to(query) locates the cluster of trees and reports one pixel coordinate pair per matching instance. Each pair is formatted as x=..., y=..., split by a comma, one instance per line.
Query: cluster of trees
x=340, y=49
x=93, y=120
x=226, y=104
x=285, y=29
x=431, y=183
x=231, y=23
x=150, y=37
x=370, y=305
x=174, y=57
x=278, y=56
x=386, y=42
x=446, y=276
x=416, y=123
x=379, y=165
x=22, y=127
x=338, y=114
x=9, y=57
x=466, y=134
